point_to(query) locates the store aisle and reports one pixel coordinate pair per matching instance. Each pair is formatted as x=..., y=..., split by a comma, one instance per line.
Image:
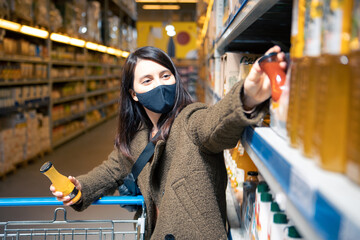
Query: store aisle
x=73, y=158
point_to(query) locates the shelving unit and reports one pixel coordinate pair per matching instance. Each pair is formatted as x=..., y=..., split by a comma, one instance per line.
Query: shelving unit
x=322, y=204
x=96, y=68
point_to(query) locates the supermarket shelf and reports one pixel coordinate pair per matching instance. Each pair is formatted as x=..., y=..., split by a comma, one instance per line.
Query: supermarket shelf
x=68, y=99
x=27, y=59
x=68, y=137
x=30, y=104
x=256, y=26
x=114, y=65
x=96, y=64
x=67, y=63
x=68, y=119
x=100, y=91
x=114, y=76
x=68, y=79
x=101, y=121
x=100, y=77
x=323, y=205
x=102, y=105
x=22, y=82
x=123, y=8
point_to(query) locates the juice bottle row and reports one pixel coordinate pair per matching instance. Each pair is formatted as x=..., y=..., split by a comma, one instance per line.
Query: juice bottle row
x=321, y=110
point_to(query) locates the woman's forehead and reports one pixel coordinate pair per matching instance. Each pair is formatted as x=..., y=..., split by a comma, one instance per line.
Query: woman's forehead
x=145, y=66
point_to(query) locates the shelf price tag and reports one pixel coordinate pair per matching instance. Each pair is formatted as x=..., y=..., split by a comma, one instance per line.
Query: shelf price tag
x=301, y=193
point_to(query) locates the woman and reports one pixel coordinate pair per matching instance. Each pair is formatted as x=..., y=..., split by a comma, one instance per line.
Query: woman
x=184, y=183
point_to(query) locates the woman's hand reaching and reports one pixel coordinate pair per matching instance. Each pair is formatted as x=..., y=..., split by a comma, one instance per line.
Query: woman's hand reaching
x=65, y=199
x=257, y=87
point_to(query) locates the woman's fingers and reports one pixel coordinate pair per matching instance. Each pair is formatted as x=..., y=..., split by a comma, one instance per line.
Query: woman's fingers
x=273, y=49
x=60, y=196
x=75, y=182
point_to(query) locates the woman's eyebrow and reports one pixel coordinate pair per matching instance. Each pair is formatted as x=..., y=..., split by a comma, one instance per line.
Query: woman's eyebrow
x=164, y=71
x=150, y=75
x=145, y=76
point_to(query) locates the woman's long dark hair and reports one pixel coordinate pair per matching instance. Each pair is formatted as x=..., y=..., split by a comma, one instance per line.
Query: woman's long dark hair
x=132, y=115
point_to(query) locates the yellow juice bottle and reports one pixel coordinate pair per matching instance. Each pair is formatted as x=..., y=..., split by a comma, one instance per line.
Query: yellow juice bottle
x=333, y=131
x=320, y=96
x=60, y=182
x=303, y=91
x=296, y=54
x=353, y=146
x=307, y=116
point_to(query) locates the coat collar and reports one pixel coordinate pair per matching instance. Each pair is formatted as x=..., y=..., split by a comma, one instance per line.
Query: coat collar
x=140, y=141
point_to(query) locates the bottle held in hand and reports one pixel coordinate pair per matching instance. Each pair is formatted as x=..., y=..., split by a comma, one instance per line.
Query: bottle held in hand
x=60, y=182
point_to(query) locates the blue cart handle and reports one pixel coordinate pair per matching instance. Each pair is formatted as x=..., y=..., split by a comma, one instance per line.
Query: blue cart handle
x=52, y=201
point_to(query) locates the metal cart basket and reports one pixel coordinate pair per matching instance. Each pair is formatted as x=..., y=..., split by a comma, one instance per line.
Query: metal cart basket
x=62, y=228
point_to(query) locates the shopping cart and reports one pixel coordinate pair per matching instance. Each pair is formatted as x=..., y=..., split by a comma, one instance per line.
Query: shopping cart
x=62, y=228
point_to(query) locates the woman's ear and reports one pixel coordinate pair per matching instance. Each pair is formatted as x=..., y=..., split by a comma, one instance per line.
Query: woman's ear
x=133, y=95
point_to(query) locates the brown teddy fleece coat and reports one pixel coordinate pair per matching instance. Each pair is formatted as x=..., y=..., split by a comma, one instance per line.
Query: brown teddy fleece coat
x=186, y=179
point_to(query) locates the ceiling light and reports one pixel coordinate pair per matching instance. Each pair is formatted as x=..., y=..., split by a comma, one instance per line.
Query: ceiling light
x=59, y=38
x=125, y=54
x=10, y=25
x=91, y=46
x=118, y=52
x=111, y=51
x=77, y=42
x=170, y=28
x=36, y=32
x=101, y=48
x=171, y=33
x=161, y=7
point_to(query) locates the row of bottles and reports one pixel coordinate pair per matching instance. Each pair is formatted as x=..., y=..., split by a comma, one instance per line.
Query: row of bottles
x=324, y=101
x=261, y=217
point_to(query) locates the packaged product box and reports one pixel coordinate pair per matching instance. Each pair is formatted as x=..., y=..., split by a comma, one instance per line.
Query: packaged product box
x=235, y=66
x=22, y=9
x=93, y=10
x=40, y=13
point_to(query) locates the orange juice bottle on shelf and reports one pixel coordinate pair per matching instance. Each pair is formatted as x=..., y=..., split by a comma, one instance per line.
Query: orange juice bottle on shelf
x=310, y=75
x=333, y=130
x=353, y=146
x=243, y=161
x=296, y=53
x=60, y=182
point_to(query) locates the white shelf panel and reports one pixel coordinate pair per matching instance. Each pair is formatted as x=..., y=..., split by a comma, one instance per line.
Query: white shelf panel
x=247, y=14
x=323, y=204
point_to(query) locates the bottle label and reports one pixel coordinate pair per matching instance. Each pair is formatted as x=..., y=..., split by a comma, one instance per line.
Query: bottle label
x=313, y=27
x=336, y=30
x=355, y=27
x=73, y=194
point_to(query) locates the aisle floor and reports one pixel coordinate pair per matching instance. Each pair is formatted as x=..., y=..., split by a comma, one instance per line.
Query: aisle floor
x=72, y=158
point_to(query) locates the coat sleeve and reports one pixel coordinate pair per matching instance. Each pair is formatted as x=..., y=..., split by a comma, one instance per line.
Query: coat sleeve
x=102, y=180
x=220, y=126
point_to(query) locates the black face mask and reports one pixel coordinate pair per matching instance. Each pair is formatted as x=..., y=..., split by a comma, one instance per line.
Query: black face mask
x=160, y=99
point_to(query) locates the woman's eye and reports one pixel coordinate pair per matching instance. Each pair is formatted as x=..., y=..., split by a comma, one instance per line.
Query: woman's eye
x=166, y=76
x=146, y=81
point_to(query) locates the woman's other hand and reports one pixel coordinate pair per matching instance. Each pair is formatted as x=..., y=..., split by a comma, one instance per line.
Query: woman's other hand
x=257, y=87
x=59, y=195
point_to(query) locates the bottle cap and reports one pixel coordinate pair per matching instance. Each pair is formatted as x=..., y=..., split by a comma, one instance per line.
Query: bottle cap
x=46, y=166
x=280, y=218
x=263, y=187
x=266, y=197
x=293, y=233
x=252, y=173
x=275, y=207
